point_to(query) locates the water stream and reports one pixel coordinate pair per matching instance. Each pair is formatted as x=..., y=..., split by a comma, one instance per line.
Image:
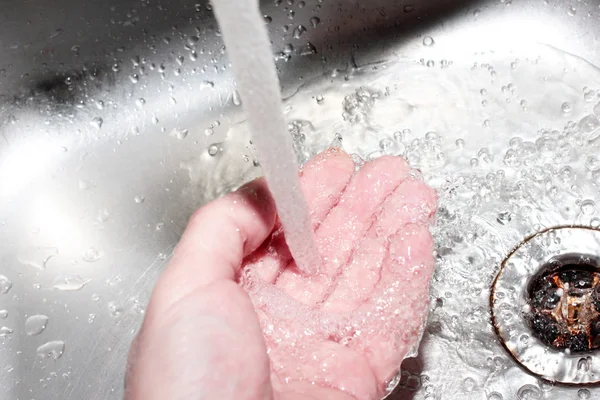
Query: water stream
x=250, y=52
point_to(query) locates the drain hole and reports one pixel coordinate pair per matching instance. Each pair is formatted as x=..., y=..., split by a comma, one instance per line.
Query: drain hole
x=564, y=297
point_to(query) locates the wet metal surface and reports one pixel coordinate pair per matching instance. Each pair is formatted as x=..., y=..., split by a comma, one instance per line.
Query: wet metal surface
x=115, y=125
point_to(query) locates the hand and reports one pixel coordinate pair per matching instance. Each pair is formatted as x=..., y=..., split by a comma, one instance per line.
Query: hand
x=231, y=317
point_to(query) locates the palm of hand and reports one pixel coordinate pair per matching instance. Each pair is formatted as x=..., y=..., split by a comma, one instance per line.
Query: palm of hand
x=232, y=318
x=348, y=328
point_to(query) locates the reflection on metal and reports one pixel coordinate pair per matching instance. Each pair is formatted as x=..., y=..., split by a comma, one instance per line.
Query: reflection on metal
x=546, y=304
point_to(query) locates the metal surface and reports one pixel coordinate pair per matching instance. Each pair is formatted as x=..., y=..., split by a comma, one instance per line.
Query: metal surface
x=116, y=122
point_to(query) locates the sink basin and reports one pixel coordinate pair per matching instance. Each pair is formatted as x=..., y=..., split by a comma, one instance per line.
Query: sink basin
x=119, y=119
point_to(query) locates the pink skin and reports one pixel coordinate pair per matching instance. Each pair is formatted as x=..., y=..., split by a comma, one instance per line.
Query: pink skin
x=231, y=317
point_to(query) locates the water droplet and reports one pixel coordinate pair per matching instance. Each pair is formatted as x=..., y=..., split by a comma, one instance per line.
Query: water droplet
x=566, y=107
x=408, y=8
x=5, y=331
x=37, y=257
x=588, y=207
x=428, y=41
x=53, y=349
x=298, y=31
x=97, y=122
x=3, y=314
x=36, y=324
x=179, y=133
x=134, y=78
x=504, y=217
x=430, y=63
x=319, y=99
x=140, y=102
x=529, y=392
x=114, y=309
x=103, y=215
x=571, y=11
x=91, y=318
x=584, y=394
x=5, y=284
x=95, y=297
x=314, y=21
x=213, y=149
x=495, y=396
x=207, y=84
x=460, y=143
x=91, y=255
x=192, y=40
x=139, y=199
x=70, y=283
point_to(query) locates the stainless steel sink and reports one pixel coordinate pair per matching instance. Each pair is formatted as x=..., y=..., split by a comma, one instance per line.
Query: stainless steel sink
x=118, y=119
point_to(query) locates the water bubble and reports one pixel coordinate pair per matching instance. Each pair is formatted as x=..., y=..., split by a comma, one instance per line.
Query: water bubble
x=5, y=284
x=469, y=384
x=36, y=324
x=53, y=349
x=529, y=392
x=3, y=314
x=546, y=386
x=592, y=163
x=588, y=207
x=566, y=174
x=589, y=95
x=70, y=283
x=314, y=21
x=97, y=122
x=428, y=41
x=495, y=396
x=584, y=394
x=114, y=309
x=589, y=125
x=139, y=199
x=90, y=255
x=595, y=222
x=566, y=107
x=213, y=149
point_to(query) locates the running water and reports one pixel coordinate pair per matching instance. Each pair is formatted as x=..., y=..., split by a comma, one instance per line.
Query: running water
x=248, y=47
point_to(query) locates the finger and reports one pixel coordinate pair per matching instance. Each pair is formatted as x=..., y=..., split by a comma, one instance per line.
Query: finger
x=408, y=270
x=341, y=230
x=217, y=238
x=322, y=180
x=412, y=202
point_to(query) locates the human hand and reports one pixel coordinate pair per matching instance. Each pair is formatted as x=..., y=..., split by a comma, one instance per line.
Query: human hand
x=231, y=317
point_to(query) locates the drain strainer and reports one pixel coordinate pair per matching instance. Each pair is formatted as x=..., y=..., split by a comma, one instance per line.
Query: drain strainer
x=546, y=304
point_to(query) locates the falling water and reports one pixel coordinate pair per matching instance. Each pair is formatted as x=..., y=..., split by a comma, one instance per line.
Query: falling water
x=248, y=47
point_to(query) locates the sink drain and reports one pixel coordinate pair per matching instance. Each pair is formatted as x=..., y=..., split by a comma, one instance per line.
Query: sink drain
x=546, y=304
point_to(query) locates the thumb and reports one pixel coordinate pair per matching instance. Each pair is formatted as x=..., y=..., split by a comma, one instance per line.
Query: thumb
x=201, y=337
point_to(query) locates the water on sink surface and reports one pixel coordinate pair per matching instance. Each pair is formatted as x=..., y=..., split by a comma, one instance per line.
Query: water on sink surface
x=509, y=140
